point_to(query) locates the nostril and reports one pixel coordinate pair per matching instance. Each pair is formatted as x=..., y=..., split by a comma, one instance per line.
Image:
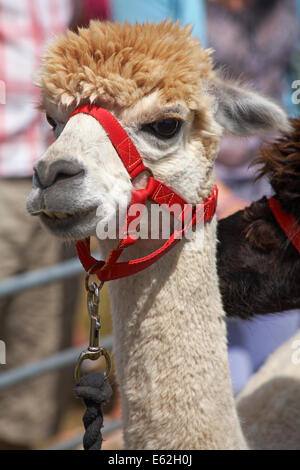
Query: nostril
x=36, y=180
x=64, y=176
x=60, y=170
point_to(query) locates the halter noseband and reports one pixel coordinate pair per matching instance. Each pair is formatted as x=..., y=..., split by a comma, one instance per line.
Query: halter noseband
x=155, y=190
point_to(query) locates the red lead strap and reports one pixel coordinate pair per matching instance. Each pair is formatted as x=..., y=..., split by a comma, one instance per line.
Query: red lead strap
x=287, y=223
x=155, y=190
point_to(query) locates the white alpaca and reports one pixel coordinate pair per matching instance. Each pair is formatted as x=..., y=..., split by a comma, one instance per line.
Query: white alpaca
x=171, y=355
x=269, y=404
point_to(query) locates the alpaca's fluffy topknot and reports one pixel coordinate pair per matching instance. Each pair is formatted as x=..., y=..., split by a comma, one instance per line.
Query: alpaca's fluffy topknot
x=280, y=161
x=119, y=64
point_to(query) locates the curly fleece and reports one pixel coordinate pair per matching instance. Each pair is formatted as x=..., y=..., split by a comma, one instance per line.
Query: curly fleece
x=119, y=64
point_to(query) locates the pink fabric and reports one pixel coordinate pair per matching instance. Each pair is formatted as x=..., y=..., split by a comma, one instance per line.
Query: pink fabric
x=25, y=27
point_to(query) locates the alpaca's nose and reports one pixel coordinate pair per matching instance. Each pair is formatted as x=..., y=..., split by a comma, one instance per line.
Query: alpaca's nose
x=46, y=175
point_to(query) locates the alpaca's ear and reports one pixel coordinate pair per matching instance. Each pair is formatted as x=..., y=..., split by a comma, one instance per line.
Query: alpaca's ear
x=244, y=112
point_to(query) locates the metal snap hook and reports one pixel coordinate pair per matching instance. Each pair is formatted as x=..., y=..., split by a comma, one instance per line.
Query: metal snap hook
x=94, y=351
x=92, y=355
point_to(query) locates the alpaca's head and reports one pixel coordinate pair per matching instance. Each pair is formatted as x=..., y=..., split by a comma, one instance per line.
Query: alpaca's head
x=159, y=83
x=280, y=162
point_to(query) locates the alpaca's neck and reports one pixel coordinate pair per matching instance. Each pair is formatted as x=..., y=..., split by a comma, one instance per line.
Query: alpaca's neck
x=171, y=355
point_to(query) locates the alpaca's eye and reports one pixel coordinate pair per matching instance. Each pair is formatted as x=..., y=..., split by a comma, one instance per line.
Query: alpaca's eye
x=51, y=121
x=166, y=128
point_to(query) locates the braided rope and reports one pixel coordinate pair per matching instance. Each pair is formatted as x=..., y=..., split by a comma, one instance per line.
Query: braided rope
x=95, y=390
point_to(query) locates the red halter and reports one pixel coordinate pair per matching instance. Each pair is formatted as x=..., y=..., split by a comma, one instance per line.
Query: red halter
x=287, y=223
x=155, y=190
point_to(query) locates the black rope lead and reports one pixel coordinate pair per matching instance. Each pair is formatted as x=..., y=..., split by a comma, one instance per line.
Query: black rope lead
x=95, y=390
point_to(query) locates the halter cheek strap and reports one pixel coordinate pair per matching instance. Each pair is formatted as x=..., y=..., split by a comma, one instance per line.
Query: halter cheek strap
x=287, y=223
x=155, y=190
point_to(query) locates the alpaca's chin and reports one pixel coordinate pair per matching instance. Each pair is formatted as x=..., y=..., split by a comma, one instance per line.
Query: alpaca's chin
x=75, y=226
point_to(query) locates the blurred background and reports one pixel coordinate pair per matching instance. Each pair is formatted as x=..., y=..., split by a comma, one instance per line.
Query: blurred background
x=43, y=314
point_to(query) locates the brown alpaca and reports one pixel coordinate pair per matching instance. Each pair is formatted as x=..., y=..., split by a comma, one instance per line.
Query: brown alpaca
x=259, y=268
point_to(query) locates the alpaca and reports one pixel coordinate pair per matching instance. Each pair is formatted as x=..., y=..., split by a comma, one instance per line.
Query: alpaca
x=259, y=269
x=170, y=337
x=276, y=386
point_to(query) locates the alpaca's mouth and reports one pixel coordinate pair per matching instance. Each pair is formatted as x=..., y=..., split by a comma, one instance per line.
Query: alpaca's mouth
x=54, y=215
x=64, y=223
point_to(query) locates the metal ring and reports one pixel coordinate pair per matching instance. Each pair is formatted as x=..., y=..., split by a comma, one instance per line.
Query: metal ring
x=89, y=273
x=93, y=356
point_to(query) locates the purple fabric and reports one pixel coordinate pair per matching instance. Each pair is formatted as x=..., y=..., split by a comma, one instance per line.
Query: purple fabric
x=241, y=367
x=251, y=342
